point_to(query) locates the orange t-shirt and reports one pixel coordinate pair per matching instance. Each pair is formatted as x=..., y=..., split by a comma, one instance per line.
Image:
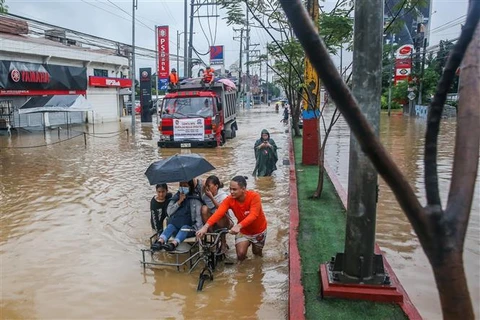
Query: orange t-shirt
x=249, y=213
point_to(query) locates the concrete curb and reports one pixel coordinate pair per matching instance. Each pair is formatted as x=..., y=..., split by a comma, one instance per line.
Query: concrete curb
x=407, y=306
x=296, y=297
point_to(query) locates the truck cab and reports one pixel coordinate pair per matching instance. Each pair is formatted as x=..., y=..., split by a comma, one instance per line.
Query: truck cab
x=193, y=117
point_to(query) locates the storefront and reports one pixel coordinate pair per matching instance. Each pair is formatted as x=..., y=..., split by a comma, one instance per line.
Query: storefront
x=23, y=82
x=31, y=68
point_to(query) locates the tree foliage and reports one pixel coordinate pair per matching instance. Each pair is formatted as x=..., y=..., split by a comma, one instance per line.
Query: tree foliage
x=3, y=6
x=336, y=28
x=400, y=10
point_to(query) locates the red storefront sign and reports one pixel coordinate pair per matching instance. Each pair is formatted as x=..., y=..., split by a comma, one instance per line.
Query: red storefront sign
x=163, y=52
x=109, y=82
x=25, y=79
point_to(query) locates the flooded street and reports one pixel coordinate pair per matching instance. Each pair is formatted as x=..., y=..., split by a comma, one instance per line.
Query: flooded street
x=404, y=139
x=75, y=217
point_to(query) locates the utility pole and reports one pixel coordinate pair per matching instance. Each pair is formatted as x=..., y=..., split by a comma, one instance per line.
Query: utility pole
x=390, y=76
x=178, y=51
x=240, y=64
x=190, y=42
x=266, y=82
x=359, y=264
x=311, y=102
x=422, y=72
x=247, y=77
x=185, y=54
x=134, y=7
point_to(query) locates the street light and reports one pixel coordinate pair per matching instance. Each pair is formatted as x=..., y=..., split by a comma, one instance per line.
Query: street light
x=185, y=75
x=178, y=51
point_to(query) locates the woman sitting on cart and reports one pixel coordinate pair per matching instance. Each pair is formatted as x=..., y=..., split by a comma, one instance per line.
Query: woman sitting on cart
x=180, y=216
x=213, y=197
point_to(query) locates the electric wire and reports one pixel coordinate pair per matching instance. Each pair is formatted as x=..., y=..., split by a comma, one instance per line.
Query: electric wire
x=203, y=31
x=136, y=19
x=449, y=22
x=38, y=28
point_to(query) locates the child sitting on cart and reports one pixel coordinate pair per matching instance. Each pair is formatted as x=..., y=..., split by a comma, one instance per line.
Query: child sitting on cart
x=179, y=217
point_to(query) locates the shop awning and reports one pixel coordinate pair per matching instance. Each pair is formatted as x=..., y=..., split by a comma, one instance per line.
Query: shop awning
x=59, y=103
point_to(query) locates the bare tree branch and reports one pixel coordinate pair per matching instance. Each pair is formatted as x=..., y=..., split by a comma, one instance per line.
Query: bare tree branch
x=467, y=140
x=438, y=102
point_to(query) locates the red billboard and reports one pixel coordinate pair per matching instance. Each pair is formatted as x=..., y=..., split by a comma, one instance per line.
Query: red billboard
x=163, y=52
x=109, y=82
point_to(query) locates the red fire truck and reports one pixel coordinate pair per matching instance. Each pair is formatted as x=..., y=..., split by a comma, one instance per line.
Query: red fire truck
x=194, y=117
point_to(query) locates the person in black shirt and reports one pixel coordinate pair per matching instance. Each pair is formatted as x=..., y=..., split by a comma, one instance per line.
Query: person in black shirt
x=158, y=207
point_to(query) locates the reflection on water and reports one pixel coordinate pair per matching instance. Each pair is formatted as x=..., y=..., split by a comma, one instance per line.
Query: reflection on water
x=75, y=216
x=404, y=139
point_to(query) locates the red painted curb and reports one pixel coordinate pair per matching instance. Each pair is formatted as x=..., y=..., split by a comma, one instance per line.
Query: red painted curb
x=407, y=306
x=296, y=298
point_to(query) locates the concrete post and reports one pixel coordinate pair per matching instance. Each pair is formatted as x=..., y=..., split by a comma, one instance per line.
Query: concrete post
x=358, y=262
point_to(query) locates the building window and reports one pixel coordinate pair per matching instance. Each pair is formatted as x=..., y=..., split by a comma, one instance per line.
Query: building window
x=100, y=73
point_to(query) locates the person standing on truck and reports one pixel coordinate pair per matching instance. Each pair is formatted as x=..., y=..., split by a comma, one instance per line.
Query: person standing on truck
x=208, y=77
x=251, y=228
x=173, y=80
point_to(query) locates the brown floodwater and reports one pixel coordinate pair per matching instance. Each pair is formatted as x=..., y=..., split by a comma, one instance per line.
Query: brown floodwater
x=74, y=218
x=404, y=139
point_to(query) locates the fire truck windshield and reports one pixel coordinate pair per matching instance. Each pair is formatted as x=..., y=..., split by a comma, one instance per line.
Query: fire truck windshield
x=188, y=107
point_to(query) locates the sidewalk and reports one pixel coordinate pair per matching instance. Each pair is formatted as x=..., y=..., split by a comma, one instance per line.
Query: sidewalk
x=321, y=234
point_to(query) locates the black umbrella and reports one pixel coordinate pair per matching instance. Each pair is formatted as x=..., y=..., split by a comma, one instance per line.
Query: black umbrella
x=177, y=168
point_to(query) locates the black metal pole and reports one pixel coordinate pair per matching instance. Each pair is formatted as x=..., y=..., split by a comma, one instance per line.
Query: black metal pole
x=422, y=72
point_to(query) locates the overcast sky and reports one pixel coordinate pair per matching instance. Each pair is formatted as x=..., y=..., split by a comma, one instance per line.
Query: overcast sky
x=106, y=19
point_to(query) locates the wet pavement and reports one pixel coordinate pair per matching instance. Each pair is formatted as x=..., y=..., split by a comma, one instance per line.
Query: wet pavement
x=75, y=217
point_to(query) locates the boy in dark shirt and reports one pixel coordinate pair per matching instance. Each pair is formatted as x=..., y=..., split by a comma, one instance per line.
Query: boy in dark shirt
x=158, y=207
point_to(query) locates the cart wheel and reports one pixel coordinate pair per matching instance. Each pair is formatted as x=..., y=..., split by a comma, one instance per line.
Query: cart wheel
x=201, y=281
x=200, y=284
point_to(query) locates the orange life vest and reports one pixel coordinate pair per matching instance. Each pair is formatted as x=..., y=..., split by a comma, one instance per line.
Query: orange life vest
x=208, y=75
x=173, y=78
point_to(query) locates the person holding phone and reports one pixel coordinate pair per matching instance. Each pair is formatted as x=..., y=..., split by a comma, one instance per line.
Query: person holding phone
x=265, y=155
x=180, y=216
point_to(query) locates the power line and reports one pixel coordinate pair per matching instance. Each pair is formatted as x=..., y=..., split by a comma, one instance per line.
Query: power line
x=38, y=28
x=449, y=22
x=130, y=15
